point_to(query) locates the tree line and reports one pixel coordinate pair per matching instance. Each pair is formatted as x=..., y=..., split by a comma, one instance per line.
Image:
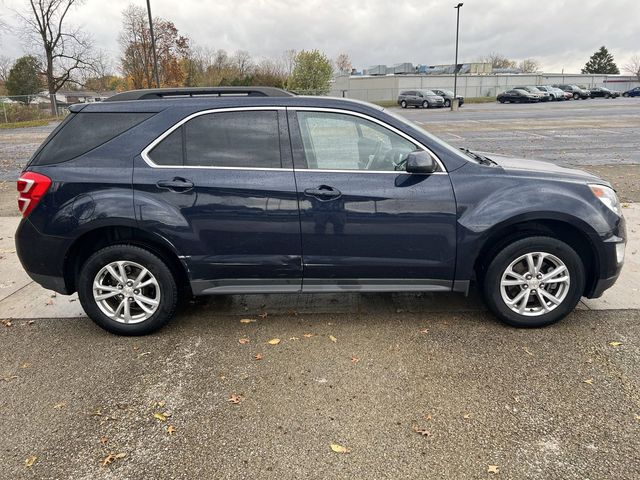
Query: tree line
x=67, y=58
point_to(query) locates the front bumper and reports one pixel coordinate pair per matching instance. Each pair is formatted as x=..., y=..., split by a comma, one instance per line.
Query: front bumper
x=609, y=262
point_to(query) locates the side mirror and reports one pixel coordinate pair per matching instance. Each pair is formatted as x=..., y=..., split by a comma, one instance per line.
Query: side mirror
x=421, y=162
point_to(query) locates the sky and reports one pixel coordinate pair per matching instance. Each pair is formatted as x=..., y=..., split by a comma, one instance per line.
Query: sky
x=560, y=34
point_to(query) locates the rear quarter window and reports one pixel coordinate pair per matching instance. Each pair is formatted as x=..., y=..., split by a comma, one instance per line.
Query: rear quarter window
x=83, y=132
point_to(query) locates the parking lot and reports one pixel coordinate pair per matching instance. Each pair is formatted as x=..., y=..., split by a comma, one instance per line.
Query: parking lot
x=422, y=385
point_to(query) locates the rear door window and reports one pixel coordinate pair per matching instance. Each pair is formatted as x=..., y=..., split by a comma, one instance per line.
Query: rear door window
x=248, y=139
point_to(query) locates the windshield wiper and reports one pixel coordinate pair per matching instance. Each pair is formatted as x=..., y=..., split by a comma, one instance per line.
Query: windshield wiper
x=480, y=158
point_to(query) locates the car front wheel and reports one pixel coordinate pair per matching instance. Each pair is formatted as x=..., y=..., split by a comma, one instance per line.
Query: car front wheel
x=447, y=103
x=534, y=282
x=403, y=104
x=127, y=290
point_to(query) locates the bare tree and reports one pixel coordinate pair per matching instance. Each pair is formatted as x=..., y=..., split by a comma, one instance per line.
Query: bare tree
x=5, y=65
x=66, y=49
x=497, y=60
x=633, y=67
x=241, y=60
x=529, y=65
x=343, y=63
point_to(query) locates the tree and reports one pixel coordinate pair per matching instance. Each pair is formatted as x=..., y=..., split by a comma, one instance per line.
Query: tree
x=5, y=66
x=343, y=63
x=136, y=61
x=529, y=65
x=66, y=50
x=633, y=67
x=311, y=73
x=497, y=60
x=601, y=62
x=24, y=78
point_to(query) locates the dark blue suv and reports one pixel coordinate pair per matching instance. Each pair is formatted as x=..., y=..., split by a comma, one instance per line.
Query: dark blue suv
x=136, y=202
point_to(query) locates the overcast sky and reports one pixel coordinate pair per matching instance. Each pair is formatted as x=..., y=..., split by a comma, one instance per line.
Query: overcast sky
x=559, y=33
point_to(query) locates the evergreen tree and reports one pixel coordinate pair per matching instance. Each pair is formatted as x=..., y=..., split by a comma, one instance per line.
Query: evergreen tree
x=601, y=62
x=24, y=77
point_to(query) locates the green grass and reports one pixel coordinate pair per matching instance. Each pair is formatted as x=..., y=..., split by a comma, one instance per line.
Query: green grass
x=386, y=103
x=28, y=123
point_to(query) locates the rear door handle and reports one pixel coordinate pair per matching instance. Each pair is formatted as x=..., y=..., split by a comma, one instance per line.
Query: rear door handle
x=323, y=192
x=178, y=184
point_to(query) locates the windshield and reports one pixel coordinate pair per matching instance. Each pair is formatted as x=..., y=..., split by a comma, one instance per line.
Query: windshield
x=448, y=92
x=432, y=137
x=427, y=92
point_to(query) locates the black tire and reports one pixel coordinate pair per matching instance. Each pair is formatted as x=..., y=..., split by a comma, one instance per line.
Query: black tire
x=626, y=95
x=502, y=100
x=157, y=267
x=576, y=96
x=403, y=104
x=425, y=104
x=492, y=280
x=447, y=103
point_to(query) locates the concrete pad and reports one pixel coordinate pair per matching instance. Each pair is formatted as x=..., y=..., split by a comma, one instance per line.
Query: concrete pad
x=12, y=276
x=33, y=301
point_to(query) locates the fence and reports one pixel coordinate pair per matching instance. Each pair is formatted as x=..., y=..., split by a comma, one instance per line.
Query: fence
x=26, y=108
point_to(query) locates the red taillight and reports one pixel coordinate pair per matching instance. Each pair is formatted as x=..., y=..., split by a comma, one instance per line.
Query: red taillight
x=31, y=188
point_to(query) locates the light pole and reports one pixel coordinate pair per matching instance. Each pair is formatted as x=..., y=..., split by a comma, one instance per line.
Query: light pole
x=454, y=100
x=153, y=45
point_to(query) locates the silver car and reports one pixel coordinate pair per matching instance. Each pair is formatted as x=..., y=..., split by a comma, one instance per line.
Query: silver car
x=420, y=98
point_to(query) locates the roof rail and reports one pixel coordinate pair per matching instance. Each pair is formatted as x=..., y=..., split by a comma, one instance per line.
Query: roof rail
x=160, y=93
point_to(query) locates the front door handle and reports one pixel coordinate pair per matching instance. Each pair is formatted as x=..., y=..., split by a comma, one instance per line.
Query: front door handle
x=323, y=192
x=178, y=184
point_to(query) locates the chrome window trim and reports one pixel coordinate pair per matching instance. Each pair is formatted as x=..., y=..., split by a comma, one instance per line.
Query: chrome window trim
x=379, y=122
x=145, y=152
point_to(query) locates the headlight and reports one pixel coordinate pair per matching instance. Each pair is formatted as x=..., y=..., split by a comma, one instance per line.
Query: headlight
x=607, y=196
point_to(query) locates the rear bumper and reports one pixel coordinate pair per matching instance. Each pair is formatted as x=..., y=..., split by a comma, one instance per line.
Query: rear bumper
x=42, y=256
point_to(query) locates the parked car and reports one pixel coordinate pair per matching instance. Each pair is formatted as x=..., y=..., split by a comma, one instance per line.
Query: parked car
x=420, y=98
x=603, y=92
x=634, y=92
x=152, y=194
x=448, y=97
x=542, y=95
x=555, y=93
x=517, y=96
x=575, y=91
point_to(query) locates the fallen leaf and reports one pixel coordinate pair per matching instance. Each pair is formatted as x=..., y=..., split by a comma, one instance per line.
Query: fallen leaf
x=243, y=341
x=355, y=359
x=143, y=354
x=258, y=356
x=333, y=339
x=247, y=320
x=615, y=344
x=467, y=416
x=274, y=341
x=428, y=417
x=492, y=469
x=25, y=365
x=59, y=405
x=111, y=457
x=292, y=312
x=426, y=330
x=104, y=440
x=160, y=416
x=589, y=381
x=171, y=429
x=9, y=378
x=293, y=339
x=422, y=431
x=31, y=322
x=236, y=399
x=308, y=335
x=30, y=461
x=527, y=351
x=339, y=448
x=263, y=315
x=159, y=404
x=638, y=417
x=6, y=323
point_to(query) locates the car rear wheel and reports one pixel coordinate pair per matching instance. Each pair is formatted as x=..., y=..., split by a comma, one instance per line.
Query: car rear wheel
x=127, y=290
x=403, y=104
x=447, y=103
x=534, y=282
x=576, y=96
x=425, y=104
x=625, y=95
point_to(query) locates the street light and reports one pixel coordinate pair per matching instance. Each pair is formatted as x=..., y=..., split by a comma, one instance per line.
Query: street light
x=153, y=45
x=454, y=100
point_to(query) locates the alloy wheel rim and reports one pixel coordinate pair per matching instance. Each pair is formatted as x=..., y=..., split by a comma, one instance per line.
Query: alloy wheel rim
x=126, y=292
x=535, y=283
